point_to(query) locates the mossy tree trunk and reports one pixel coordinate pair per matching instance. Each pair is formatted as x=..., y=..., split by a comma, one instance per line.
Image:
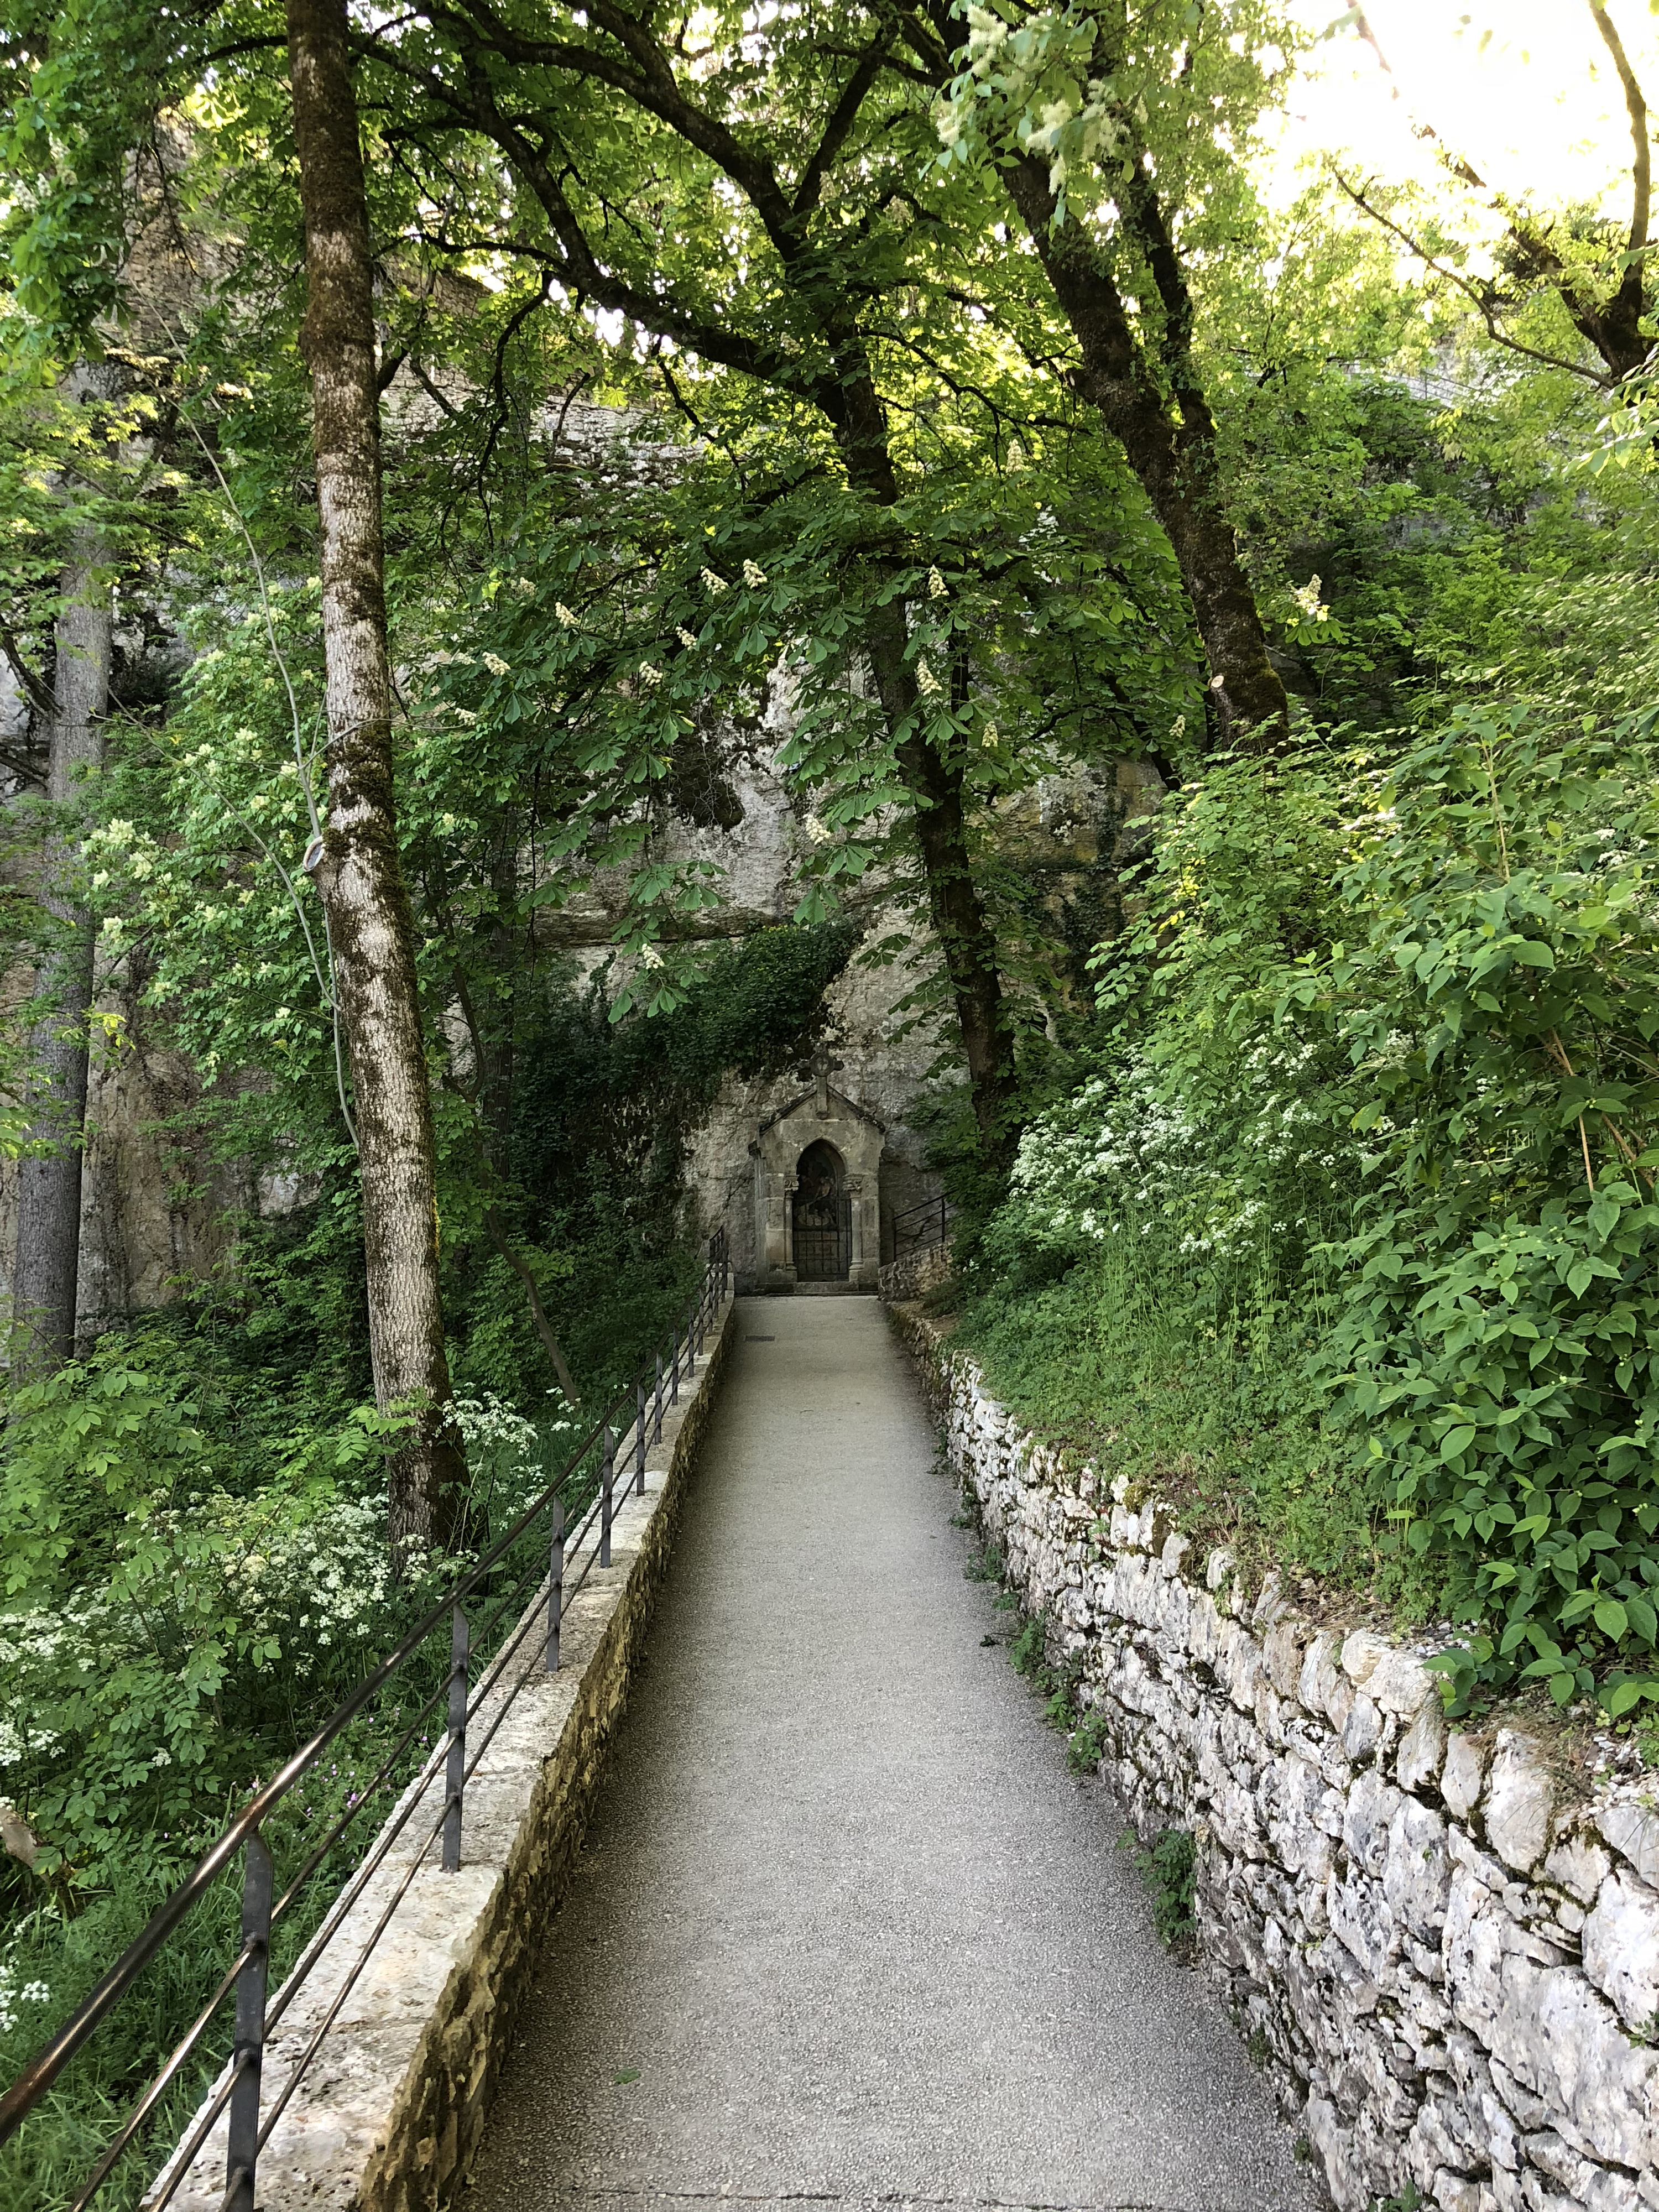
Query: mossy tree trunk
x=46, y=1277
x=371, y=927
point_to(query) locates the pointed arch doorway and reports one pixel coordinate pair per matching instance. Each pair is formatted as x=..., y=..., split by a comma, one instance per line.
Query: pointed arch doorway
x=822, y=1204
x=806, y=1236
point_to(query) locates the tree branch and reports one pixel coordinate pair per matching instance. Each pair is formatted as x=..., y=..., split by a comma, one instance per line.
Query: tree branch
x=1472, y=291
x=1636, y=108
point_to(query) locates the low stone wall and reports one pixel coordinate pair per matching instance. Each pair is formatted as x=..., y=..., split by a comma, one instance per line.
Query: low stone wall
x=391, y=2109
x=916, y=1274
x=1450, y=1965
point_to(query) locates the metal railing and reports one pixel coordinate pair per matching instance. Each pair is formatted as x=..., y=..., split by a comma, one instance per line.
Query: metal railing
x=921, y=1227
x=539, y=1546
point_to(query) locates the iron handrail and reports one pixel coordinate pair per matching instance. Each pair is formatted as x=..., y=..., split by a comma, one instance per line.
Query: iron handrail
x=936, y=1210
x=644, y=1402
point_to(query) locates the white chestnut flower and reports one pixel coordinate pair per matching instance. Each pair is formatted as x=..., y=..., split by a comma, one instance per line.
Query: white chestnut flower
x=935, y=585
x=650, y=677
x=687, y=640
x=992, y=739
x=818, y=830
x=716, y=584
x=753, y=575
x=567, y=620
x=496, y=665
x=927, y=683
x=1307, y=597
x=650, y=956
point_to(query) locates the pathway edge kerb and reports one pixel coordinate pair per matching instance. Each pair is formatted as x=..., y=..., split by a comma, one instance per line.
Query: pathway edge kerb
x=393, y=2105
x=1444, y=1960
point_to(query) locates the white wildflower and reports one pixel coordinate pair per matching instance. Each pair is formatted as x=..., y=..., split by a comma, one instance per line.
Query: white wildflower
x=1016, y=457
x=496, y=665
x=650, y=956
x=753, y=575
x=818, y=830
x=567, y=620
x=687, y=640
x=992, y=739
x=464, y=715
x=935, y=585
x=927, y=683
x=650, y=677
x=716, y=584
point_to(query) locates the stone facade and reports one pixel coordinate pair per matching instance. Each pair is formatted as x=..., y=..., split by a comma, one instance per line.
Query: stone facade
x=390, y=2112
x=1449, y=1961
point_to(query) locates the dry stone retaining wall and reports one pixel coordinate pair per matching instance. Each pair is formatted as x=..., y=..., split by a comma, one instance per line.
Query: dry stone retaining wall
x=1450, y=1965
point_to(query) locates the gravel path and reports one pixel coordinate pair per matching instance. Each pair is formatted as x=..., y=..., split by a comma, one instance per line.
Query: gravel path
x=845, y=1930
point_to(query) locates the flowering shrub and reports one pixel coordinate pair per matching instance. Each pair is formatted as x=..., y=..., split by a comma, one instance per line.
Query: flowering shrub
x=1383, y=1039
x=171, y=1613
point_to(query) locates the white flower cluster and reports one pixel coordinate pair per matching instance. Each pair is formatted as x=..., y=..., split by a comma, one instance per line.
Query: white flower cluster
x=1138, y=1162
x=15, y=1994
x=753, y=575
x=818, y=830
x=927, y=683
x=1307, y=597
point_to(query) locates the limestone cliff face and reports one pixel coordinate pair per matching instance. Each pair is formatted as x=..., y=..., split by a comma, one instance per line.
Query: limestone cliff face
x=156, y=1208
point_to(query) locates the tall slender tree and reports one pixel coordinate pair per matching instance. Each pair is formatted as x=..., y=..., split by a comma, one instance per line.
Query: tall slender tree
x=45, y=1280
x=1067, y=103
x=370, y=927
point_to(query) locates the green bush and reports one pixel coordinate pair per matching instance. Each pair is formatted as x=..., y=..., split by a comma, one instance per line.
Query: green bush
x=1348, y=1234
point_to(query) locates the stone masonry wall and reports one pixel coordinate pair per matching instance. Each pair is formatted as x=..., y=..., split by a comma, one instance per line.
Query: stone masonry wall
x=391, y=2111
x=1450, y=1965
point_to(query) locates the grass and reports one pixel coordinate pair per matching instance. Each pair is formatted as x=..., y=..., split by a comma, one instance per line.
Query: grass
x=1208, y=1403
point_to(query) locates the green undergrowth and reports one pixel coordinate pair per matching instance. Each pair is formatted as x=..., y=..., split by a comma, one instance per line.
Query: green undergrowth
x=1210, y=1407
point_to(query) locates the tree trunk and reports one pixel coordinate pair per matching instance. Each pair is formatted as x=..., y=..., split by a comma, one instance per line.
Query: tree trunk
x=960, y=922
x=1172, y=452
x=933, y=780
x=45, y=1280
x=371, y=927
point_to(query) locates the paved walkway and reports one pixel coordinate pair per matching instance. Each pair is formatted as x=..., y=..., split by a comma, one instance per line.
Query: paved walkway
x=845, y=1929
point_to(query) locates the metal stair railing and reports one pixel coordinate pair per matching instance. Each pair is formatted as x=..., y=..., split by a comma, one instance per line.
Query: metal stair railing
x=554, y=1549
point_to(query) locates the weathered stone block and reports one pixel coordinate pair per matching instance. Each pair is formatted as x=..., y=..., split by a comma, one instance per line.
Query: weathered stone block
x=1621, y=1949
x=1462, y=1776
x=1519, y=1800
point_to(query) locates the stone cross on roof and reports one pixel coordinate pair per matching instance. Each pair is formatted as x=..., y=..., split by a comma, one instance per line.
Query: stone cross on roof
x=822, y=1068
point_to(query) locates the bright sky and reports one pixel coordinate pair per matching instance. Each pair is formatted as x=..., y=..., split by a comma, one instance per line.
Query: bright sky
x=1526, y=91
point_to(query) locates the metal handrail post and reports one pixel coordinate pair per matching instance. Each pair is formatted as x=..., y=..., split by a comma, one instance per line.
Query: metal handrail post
x=639, y=1436
x=455, y=1766
x=242, y=2135
x=607, y=1479
x=555, y=1586
x=658, y=1417
x=674, y=1371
